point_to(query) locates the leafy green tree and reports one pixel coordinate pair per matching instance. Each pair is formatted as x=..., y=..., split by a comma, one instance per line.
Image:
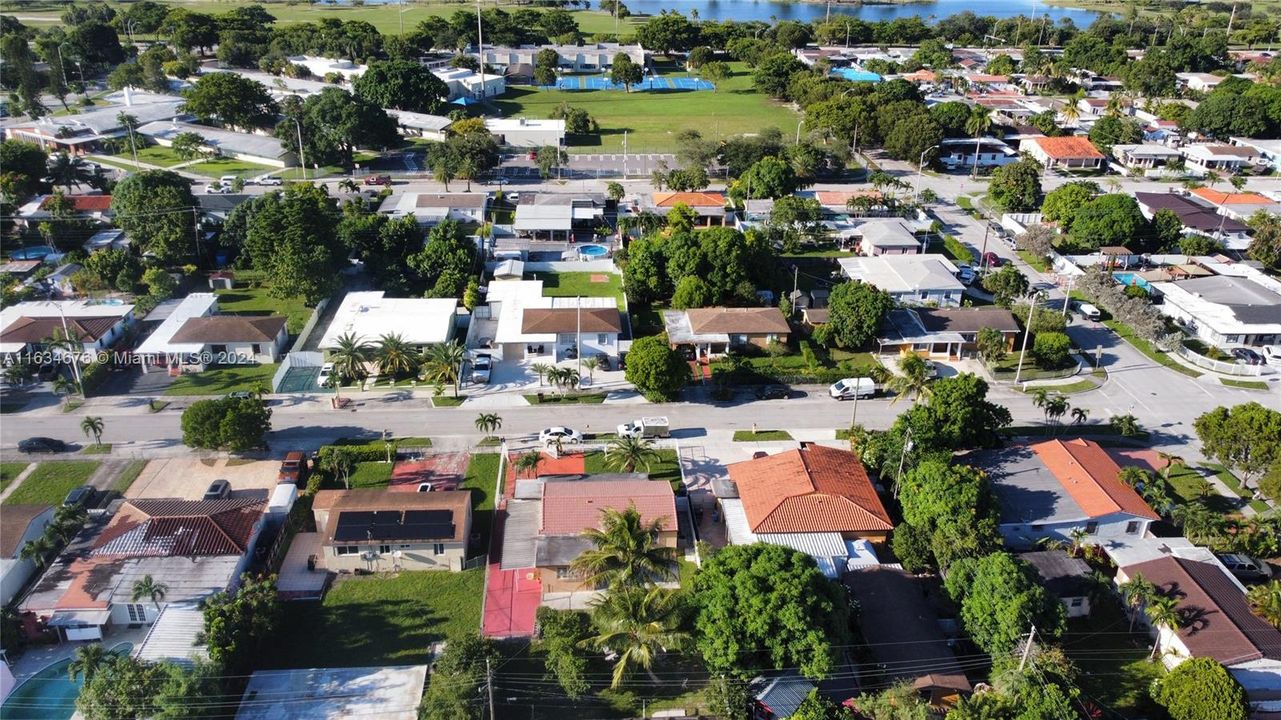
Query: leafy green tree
x=773, y=73
x=120, y=688
x=456, y=682
x=1265, y=246
x=639, y=624
x=143, y=204
x=692, y=292
x=991, y=344
x=668, y=33
x=901, y=701
x=912, y=380
x=187, y=145
x=559, y=634
x=1111, y=219
x=245, y=422
x=768, y=177
x=1265, y=601
x=1005, y=284
x=237, y=627
x=1109, y=130
x=22, y=165
x=446, y=261
x=1017, y=187
x=1051, y=349
x=912, y=137
x=1225, y=113
x=625, y=72
x=952, y=508
x=657, y=370
x=1000, y=596
x=951, y=117
x=1201, y=689
x=957, y=415
x=716, y=72
x=1246, y=438
x=403, y=85
x=766, y=606
x=1062, y=203
x=334, y=124
x=86, y=661
x=232, y=100
x=856, y=311
x=202, y=424
x=545, y=64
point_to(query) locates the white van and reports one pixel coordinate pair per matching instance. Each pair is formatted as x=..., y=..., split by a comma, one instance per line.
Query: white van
x=1089, y=312
x=851, y=388
x=227, y=180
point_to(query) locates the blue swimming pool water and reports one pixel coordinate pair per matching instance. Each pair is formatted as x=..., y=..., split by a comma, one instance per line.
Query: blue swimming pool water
x=594, y=251
x=602, y=82
x=37, y=252
x=49, y=694
x=1127, y=278
x=857, y=75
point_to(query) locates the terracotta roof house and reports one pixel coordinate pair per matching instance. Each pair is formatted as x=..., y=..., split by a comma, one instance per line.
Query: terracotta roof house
x=708, y=207
x=85, y=207
x=19, y=524
x=1047, y=489
x=713, y=331
x=816, y=499
x=196, y=548
x=943, y=332
x=1238, y=206
x=1068, y=151
x=380, y=529
x=837, y=202
x=572, y=320
x=26, y=325
x=1219, y=625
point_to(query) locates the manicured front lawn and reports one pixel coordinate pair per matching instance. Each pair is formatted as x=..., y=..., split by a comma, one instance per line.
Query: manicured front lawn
x=653, y=119
x=153, y=155
x=217, y=167
x=9, y=471
x=50, y=482
x=761, y=436
x=251, y=296
x=128, y=475
x=1245, y=384
x=223, y=380
x=370, y=475
x=1188, y=485
x=378, y=620
x=580, y=284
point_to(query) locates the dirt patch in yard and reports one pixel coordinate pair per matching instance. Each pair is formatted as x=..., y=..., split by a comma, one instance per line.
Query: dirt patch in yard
x=445, y=467
x=187, y=478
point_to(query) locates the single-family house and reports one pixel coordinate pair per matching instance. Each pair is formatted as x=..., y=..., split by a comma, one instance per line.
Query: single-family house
x=95, y=208
x=1197, y=218
x=251, y=147
x=1072, y=152
x=19, y=525
x=1095, y=107
x=961, y=154
x=26, y=326
x=380, y=529
x=559, y=215
x=433, y=208
x=391, y=692
x=1202, y=159
x=20, y=270
x=708, y=207
x=1198, y=81
x=713, y=331
x=1147, y=156
x=816, y=500
x=519, y=322
x=1267, y=152
x=845, y=203
x=576, y=330
x=909, y=279
x=1048, y=489
x=1222, y=626
x=943, y=332
x=527, y=132
x=194, y=547
x=1066, y=577
x=900, y=623
x=1236, y=205
x=369, y=315
x=891, y=236
x=110, y=239
x=422, y=125
x=195, y=334
x=1225, y=310
x=779, y=694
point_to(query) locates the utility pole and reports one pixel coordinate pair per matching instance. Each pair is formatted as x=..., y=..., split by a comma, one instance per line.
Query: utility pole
x=302, y=159
x=489, y=675
x=902, y=457
x=1027, y=649
x=1027, y=330
x=624, y=154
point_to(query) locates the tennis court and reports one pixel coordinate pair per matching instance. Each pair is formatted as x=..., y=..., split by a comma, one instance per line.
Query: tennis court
x=602, y=82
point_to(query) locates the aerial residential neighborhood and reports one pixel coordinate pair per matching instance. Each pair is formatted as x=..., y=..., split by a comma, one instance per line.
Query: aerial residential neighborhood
x=640, y=359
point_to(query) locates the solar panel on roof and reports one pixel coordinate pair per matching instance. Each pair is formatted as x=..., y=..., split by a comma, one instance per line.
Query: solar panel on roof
x=358, y=526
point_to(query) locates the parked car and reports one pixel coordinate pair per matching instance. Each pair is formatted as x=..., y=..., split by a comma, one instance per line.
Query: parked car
x=1246, y=356
x=266, y=180
x=438, y=486
x=772, y=392
x=218, y=489
x=378, y=180
x=561, y=433
x=294, y=468
x=1246, y=567
x=212, y=189
x=326, y=374
x=965, y=274
x=992, y=260
x=240, y=395
x=481, y=366
x=602, y=361
x=1089, y=312
x=42, y=445
x=82, y=496
x=850, y=388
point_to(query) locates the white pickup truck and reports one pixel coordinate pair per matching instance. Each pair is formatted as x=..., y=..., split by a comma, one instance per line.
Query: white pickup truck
x=649, y=427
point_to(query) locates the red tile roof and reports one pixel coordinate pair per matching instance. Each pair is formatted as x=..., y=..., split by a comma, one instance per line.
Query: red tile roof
x=692, y=199
x=1089, y=474
x=840, y=198
x=1218, y=197
x=158, y=528
x=1223, y=627
x=1067, y=147
x=814, y=489
x=85, y=203
x=570, y=507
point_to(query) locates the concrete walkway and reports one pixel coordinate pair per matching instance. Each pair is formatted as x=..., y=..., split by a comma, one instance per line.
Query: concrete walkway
x=17, y=481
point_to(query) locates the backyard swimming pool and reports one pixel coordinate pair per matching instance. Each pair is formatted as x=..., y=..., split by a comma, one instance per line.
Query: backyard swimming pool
x=857, y=75
x=49, y=694
x=593, y=252
x=1128, y=278
x=602, y=82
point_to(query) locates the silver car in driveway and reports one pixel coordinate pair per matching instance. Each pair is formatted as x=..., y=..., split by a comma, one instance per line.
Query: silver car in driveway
x=481, y=367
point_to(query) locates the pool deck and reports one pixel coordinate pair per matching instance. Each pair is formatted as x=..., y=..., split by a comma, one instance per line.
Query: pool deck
x=39, y=657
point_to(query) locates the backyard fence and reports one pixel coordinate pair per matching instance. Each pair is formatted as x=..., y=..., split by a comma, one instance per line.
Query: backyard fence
x=1218, y=366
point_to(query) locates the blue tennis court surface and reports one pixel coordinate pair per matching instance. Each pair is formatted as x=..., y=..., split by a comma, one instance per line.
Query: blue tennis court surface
x=602, y=82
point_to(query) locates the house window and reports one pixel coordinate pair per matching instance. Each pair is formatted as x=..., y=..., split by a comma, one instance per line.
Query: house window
x=737, y=339
x=1091, y=528
x=564, y=573
x=603, y=339
x=137, y=613
x=341, y=550
x=257, y=349
x=438, y=549
x=384, y=549
x=925, y=294
x=1077, y=602
x=1132, y=527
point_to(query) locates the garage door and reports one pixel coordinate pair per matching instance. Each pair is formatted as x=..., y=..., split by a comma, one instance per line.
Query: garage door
x=87, y=632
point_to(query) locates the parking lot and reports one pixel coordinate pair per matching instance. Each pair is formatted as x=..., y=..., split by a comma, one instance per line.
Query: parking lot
x=188, y=478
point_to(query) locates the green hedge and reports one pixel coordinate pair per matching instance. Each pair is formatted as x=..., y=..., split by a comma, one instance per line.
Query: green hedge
x=957, y=249
x=92, y=376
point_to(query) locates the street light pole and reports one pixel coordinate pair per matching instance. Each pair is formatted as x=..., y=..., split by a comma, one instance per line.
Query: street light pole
x=1027, y=331
x=302, y=159
x=920, y=170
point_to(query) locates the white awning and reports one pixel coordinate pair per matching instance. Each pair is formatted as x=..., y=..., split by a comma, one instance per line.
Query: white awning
x=75, y=618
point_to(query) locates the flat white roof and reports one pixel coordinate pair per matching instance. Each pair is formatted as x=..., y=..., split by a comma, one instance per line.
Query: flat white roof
x=226, y=141
x=160, y=341
x=386, y=693
x=508, y=125
x=508, y=300
x=369, y=315
x=173, y=636
x=420, y=121
x=903, y=273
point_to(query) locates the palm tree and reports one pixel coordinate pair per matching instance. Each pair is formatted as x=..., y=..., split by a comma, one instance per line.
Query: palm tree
x=627, y=552
x=67, y=171
x=37, y=550
x=1136, y=592
x=1077, y=535
x=528, y=462
x=87, y=660
x=129, y=123
x=542, y=369
x=445, y=363
x=1199, y=523
x=1212, y=178
x=913, y=379
x=349, y=357
x=638, y=625
x=1265, y=601
x=979, y=122
x=1237, y=182
x=1080, y=415
x=339, y=463
x=64, y=387
x=67, y=522
x=626, y=453
x=488, y=422
x=1055, y=408
x=147, y=587
x=348, y=185
x=1040, y=397
x=563, y=377
x=395, y=356
x=92, y=425
x=1072, y=112
x=590, y=364
x=1171, y=460
x=1163, y=612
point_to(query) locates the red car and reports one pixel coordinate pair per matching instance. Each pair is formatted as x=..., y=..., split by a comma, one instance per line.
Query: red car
x=378, y=180
x=991, y=259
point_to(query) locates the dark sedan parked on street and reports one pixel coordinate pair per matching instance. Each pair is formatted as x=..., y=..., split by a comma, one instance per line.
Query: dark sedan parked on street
x=42, y=445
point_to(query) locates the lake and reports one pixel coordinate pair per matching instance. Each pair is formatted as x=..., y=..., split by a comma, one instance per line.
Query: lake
x=772, y=10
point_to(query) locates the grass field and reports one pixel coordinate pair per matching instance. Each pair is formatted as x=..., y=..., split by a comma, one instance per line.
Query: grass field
x=128, y=475
x=1113, y=661
x=761, y=436
x=579, y=284
x=378, y=620
x=50, y=482
x=482, y=472
x=652, y=119
x=251, y=297
x=153, y=155
x=217, y=167
x=9, y=471
x=370, y=475
x=222, y=380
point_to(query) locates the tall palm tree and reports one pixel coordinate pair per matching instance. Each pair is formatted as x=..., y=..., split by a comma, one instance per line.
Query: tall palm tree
x=977, y=124
x=92, y=425
x=67, y=522
x=912, y=379
x=67, y=171
x=1071, y=111
x=349, y=357
x=626, y=453
x=1237, y=182
x=1136, y=592
x=37, y=550
x=147, y=587
x=445, y=363
x=1055, y=408
x=64, y=388
x=1212, y=178
x=395, y=356
x=590, y=364
x=528, y=462
x=348, y=185
x=1265, y=601
x=1080, y=415
x=130, y=123
x=638, y=625
x=488, y=422
x=87, y=660
x=626, y=551
x=542, y=369
x=1077, y=535
x=1163, y=612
